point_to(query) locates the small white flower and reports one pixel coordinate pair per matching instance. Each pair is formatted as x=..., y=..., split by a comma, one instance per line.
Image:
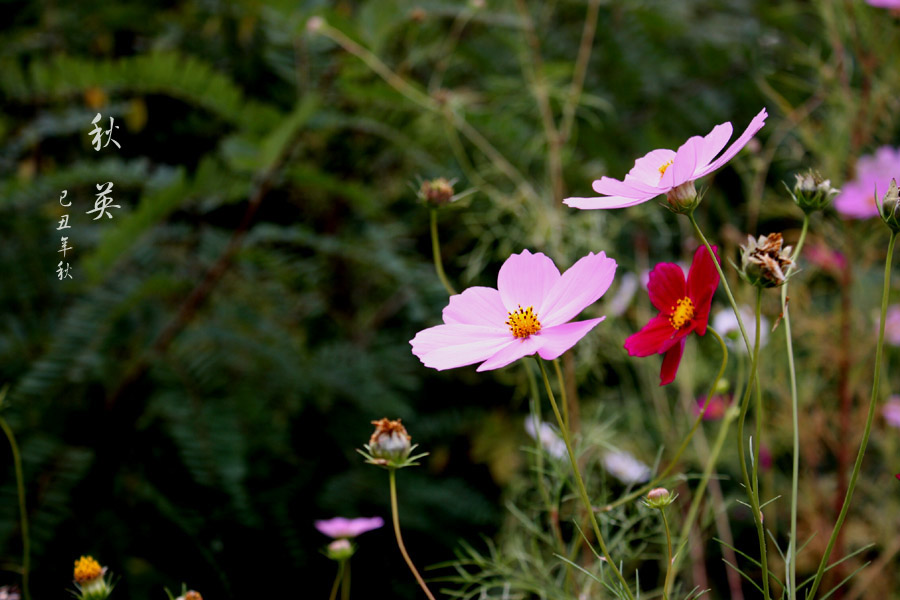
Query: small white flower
x=625, y=467
x=725, y=323
x=550, y=440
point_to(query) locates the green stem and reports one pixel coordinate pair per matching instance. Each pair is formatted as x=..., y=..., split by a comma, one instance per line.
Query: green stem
x=865, y=440
x=345, y=586
x=580, y=483
x=396, y=514
x=674, y=462
x=560, y=380
x=795, y=415
x=748, y=485
x=436, y=252
x=337, y=581
x=669, y=564
x=20, y=486
x=724, y=281
x=756, y=449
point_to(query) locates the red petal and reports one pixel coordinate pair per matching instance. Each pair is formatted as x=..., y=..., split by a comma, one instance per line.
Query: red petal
x=671, y=362
x=702, y=281
x=666, y=286
x=656, y=336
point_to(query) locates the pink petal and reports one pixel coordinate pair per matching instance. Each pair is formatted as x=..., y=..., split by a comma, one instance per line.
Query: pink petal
x=646, y=168
x=477, y=306
x=339, y=527
x=755, y=125
x=630, y=188
x=514, y=351
x=682, y=168
x=525, y=279
x=666, y=286
x=580, y=286
x=656, y=336
x=450, y=346
x=606, y=202
x=712, y=144
x=670, y=363
x=556, y=340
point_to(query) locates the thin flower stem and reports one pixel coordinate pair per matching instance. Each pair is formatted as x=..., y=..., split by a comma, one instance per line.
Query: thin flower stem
x=436, y=252
x=345, y=585
x=756, y=449
x=795, y=415
x=337, y=581
x=560, y=380
x=865, y=439
x=20, y=486
x=580, y=483
x=674, y=462
x=704, y=481
x=725, y=285
x=671, y=559
x=751, y=488
x=581, y=63
x=396, y=514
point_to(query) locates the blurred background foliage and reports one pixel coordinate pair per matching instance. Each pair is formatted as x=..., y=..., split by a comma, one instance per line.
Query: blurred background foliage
x=190, y=401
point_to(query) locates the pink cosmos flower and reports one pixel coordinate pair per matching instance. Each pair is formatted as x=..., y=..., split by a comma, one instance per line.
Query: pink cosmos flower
x=683, y=308
x=339, y=527
x=528, y=312
x=716, y=410
x=663, y=171
x=895, y=4
x=892, y=325
x=873, y=176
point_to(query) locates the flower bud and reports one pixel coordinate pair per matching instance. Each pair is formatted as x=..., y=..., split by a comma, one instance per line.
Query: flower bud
x=436, y=192
x=812, y=192
x=764, y=263
x=90, y=579
x=190, y=595
x=890, y=207
x=390, y=441
x=683, y=199
x=659, y=498
x=9, y=593
x=314, y=24
x=340, y=550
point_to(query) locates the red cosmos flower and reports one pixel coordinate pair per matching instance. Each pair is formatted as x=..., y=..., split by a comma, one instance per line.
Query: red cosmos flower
x=683, y=308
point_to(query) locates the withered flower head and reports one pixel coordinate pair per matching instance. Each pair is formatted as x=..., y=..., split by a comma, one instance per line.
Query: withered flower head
x=764, y=262
x=812, y=192
x=436, y=192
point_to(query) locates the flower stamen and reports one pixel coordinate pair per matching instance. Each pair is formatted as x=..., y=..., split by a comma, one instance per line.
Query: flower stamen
x=662, y=169
x=682, y=312
x=523, y=322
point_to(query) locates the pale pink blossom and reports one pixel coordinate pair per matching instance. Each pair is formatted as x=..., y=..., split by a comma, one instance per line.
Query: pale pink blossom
x=662, y=171
x=874, y=172
x=891, y=411
x=339, y=527
x=895, y=4
x=892, y=325
x=529, y=312
x=549, y=438
x=625, y=467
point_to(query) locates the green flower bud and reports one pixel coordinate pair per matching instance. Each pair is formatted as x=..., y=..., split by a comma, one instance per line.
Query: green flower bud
x=340, y=550
x=890, y=207
x=812, y=192
x=659, y=498
x=683, y=199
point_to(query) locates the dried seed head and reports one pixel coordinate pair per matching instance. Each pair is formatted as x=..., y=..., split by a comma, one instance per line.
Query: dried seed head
x=390, y=442
x=436, y=192
x=764, y=262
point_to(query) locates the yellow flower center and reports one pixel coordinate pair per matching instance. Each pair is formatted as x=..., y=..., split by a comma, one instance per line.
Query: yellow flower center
x=523, y=322
x=662, y=169
x=682, y=312
x=87, y=569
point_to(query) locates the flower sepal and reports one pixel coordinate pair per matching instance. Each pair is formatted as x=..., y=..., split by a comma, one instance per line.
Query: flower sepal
x=683, y=199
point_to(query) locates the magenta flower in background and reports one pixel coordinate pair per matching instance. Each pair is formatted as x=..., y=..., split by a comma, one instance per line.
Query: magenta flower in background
x=339, y=527
x=891, y=411
x=716, y=410
x=873, y=177
x=662, y=171
x=892, y=325
x=528, y=312
x=895, y=4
